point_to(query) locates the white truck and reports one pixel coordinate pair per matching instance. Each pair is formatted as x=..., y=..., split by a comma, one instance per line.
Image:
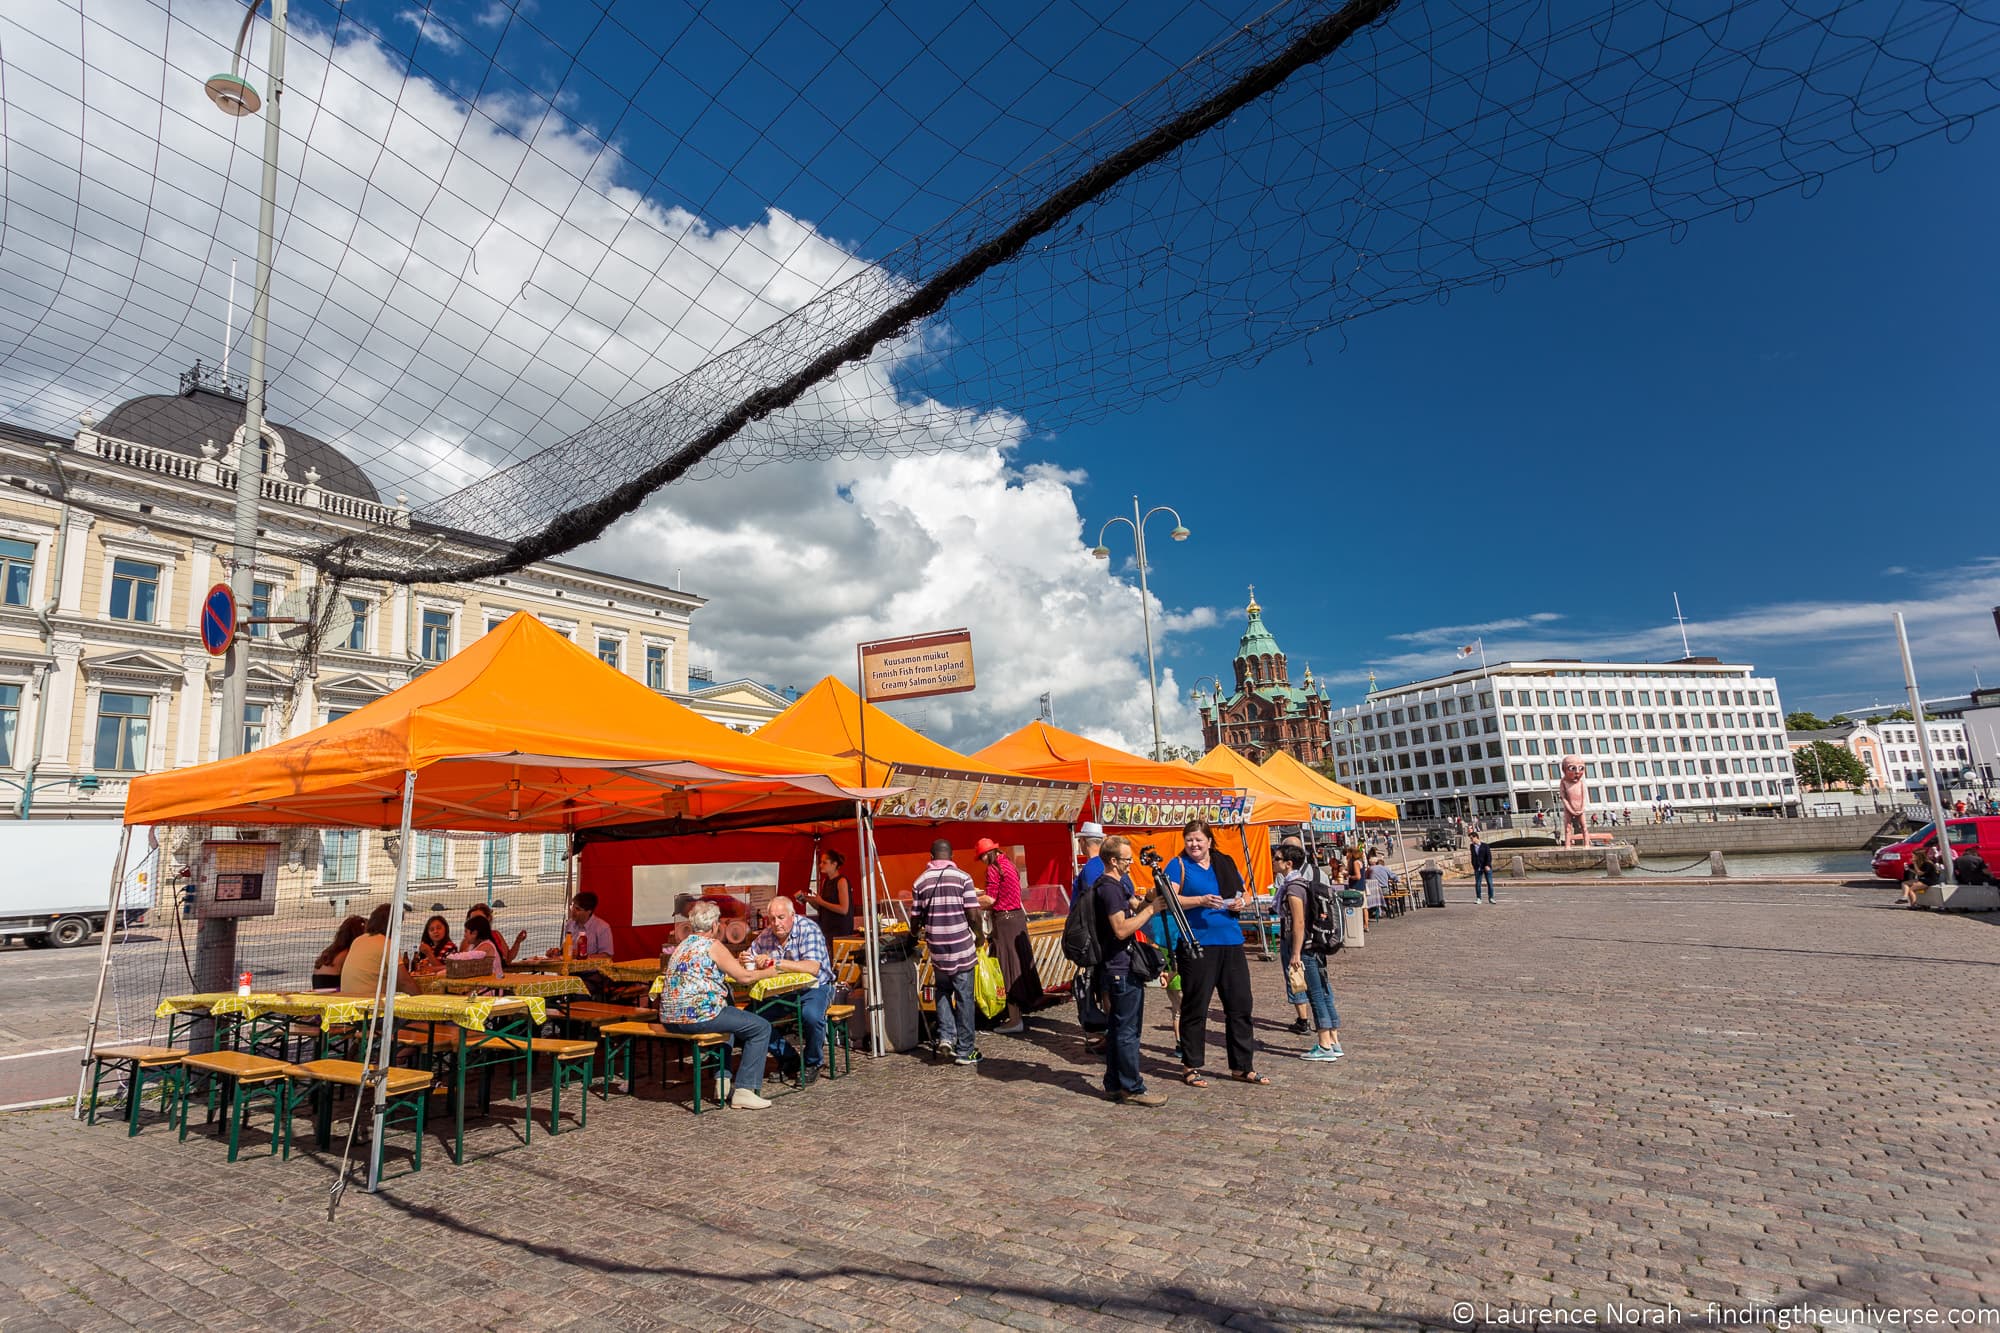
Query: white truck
x=55, y=879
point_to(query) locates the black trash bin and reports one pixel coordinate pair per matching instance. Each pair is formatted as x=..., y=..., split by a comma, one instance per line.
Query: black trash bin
x=902, y=1023
x=1433, y=885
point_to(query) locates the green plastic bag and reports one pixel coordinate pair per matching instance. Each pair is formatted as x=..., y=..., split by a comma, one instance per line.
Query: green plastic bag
x=989, y=985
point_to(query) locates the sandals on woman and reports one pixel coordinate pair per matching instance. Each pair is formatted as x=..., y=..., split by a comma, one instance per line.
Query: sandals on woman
x=1249, y=1076
x=1193, y=1078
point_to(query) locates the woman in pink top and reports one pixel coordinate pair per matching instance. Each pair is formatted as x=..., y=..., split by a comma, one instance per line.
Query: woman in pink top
x=1010, y=935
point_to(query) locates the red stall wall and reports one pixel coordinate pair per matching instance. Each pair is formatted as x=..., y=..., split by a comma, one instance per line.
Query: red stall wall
x=605, y=868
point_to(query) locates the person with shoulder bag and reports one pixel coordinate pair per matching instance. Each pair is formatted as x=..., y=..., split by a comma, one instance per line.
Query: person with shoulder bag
x=1212, y=895
x=1312, y=931
x=1120, y=914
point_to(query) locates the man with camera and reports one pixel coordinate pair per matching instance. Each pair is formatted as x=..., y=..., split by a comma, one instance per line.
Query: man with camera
x=1121, y=914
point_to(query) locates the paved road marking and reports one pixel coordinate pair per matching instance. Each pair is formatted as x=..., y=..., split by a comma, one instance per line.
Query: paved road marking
x=24, y=1055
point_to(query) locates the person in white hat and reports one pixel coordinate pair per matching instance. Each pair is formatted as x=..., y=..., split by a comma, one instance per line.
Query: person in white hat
x=1090, y=1014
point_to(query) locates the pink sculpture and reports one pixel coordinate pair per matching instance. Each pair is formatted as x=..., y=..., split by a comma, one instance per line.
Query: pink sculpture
x=1572, y=803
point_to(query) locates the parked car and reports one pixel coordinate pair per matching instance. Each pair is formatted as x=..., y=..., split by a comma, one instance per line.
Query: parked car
x=1894, y=860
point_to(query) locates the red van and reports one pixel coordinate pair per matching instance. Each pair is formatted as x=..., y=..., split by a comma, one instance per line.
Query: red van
x=1984, y=830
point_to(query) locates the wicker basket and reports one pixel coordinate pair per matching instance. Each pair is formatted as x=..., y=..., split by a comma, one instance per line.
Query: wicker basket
x=458, y=966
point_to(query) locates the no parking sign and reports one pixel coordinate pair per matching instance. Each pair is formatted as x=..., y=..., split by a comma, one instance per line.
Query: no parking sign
x=218, y=619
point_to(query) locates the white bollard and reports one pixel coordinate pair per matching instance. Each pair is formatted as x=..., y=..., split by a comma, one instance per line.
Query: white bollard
x=1715, y=865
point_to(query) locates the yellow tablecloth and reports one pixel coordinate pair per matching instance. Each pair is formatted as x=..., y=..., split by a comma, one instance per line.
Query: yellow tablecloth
x=468, y=1011
x=782, y=984
x=595, y=963
x=632, y=970
x=510, y=983
x=203, y=1003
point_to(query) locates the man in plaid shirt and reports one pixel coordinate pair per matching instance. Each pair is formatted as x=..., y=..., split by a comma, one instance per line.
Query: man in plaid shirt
x=791, y=943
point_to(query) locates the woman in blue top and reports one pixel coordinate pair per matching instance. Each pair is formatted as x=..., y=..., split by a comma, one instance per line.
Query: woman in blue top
x=1210, y=886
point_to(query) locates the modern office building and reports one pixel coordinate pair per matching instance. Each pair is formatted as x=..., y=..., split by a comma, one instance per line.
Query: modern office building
x=1699, y=734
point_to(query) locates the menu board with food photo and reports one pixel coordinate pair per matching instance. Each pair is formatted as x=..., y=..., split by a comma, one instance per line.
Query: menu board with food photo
x=1132, y=806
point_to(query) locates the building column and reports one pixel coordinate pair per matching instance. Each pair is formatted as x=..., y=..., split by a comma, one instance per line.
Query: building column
x=200, y=564
x=194, y=687
x=59, y=697
x=76, y=557
x=397, y=605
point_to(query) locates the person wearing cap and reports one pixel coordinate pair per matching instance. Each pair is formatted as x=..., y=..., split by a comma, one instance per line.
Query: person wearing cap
x=1090, y=1015
x=1010, y=935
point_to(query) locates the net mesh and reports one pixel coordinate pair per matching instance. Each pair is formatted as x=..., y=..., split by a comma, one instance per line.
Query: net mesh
x=532, y=318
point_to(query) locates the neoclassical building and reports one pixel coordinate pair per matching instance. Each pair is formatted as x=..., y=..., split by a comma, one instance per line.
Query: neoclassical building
x=110, y=538
x=1267, y=713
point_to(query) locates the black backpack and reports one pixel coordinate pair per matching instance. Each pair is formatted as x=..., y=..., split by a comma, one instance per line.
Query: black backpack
x=1081, y=943
x=1326, y=924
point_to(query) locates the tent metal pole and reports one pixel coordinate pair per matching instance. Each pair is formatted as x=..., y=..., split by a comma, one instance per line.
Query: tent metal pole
x=392, y=960
x=871, y=932
x=104, y=970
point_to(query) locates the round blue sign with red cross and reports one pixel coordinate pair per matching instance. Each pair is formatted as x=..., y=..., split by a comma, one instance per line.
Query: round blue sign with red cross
x=218, y=619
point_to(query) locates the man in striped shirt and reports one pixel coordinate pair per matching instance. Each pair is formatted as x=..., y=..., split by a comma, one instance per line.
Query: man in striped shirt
x=941, y=903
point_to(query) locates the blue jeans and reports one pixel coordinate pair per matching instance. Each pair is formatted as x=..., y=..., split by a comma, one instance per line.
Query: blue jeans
x=752, y=1033
x=1125, y=1005
x=955, y=1012
x=812, y=1017
x=1319, y=992
x=1485, y=874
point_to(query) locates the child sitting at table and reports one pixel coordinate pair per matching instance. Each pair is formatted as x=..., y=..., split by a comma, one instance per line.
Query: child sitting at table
x=479, y=939
x=435, y=945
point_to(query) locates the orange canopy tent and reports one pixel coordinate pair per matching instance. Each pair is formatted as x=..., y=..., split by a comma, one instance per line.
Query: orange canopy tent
x=1273, y=805
x=522, y=732
x=1294, y=778
x=1044, y=751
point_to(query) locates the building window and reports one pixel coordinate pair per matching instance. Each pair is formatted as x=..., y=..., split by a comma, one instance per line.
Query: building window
x=17, y=567
x=437, y=636
x=430, y=856
x=496, y=858
x=121, y=731
x=10, y=721
x=340, y=856
x=555, y=853
x=253, y=727
x=135, y=590
x=261, y=594
x=357, y=637
x=494, y=620
x=608, y=650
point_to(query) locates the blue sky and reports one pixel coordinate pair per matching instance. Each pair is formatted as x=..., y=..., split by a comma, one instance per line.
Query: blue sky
x=1795, y=411
x=1787, y=420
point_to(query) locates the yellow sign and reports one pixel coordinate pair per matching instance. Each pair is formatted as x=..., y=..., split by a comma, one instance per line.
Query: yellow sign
x=920, y=665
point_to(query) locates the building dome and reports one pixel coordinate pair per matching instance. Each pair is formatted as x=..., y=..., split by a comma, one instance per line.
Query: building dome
x=204, y=410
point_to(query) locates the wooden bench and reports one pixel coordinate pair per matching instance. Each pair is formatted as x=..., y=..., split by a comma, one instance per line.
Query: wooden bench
x=251, y=1079
x=838, y=1019
x=571, y=1062
x=711, y=1051
x=407, y=1093
x=139, y=1063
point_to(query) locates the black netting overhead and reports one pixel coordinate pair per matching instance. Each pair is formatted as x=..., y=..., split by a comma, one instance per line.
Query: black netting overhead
x=537, y=262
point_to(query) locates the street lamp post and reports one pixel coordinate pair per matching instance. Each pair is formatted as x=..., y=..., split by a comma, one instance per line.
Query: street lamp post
x=1138, y=525
x=215, y=940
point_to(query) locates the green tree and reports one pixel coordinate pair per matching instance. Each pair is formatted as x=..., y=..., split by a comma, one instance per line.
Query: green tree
x=1803, y=722
x=1822, y=765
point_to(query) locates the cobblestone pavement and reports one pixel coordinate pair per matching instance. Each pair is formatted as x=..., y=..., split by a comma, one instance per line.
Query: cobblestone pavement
x=1583, y=1095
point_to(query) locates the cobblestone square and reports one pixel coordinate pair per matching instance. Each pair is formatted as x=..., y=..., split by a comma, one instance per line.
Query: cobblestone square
x=1584, y=1096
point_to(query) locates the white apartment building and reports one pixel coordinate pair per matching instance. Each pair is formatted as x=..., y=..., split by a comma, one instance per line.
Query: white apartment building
x=1699, y=734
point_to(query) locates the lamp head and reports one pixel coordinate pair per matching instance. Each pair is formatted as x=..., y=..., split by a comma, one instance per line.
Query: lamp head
x=1179, y=534
x=1102, y=552
x=233, y=95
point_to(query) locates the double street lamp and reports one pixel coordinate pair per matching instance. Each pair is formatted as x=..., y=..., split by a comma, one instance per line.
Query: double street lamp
x=1138, y=525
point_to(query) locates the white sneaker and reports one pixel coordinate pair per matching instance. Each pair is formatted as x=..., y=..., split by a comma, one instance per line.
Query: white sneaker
x=745, y=1100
